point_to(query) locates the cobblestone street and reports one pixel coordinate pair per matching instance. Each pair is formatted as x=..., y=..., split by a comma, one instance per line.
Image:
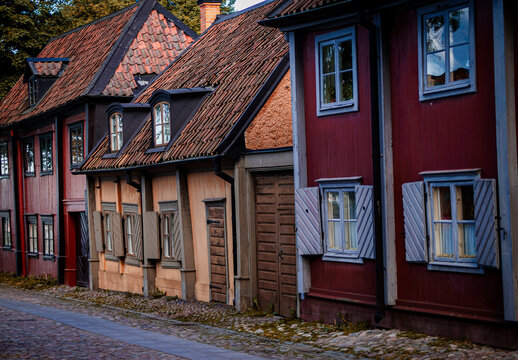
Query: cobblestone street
x=27, y=336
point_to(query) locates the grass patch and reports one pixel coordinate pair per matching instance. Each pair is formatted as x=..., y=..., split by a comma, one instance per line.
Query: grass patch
x=40, y=282
x=411, y=335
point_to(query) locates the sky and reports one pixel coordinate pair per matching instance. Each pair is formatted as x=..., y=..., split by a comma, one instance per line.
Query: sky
x=243, y=4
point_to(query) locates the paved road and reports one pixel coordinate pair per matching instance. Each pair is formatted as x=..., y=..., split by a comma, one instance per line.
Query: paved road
x=30, y=331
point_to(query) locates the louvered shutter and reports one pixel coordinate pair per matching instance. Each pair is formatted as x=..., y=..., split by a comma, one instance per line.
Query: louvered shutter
x=415, y=222
x=307, y=220
x=151, y=238
x=177, y=246
x=117, y=233
x=364, y=221
x=137, y=231
x=98, y=231
x=485, y=224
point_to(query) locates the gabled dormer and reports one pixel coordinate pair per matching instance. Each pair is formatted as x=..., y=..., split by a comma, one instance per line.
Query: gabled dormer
x=41, y=74
x=123, y=121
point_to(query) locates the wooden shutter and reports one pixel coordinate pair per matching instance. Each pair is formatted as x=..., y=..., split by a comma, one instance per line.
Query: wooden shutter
x=177, y=245
x=98, y=231
x=137, y=231
x=151, y=235
x=415, y=222
x=307, y=220
x=117, y=234
x=364, y=221
x=485, y=224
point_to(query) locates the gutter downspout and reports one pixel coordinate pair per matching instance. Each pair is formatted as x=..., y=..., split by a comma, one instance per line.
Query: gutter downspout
x=21, y=204
x=230, y=180
x=376, y=166
x=135, y=185
x=18, y=252
x=59, y=187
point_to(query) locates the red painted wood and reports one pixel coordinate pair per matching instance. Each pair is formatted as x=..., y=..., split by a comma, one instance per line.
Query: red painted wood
x=339, y=146
x=21, y=213
x=71, y=238
x=7, y=257
x=452, y=133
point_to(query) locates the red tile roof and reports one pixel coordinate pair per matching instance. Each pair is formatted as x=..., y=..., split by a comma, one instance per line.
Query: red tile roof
x=159, y=42
x=298, y=6
x=48, y=68
x=235, y=56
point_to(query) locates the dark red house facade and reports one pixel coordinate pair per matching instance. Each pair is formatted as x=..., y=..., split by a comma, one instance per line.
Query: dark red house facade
x=405, y=163
x=48, y=125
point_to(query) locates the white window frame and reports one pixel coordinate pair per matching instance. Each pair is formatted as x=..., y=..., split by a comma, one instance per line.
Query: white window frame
x=4, y=160
x=334, y=38
x=47, y=222
x=116, y=137
x=108, y=232
x=32, y=234
x=164, y=123
x=448, y=89
x=451, y=179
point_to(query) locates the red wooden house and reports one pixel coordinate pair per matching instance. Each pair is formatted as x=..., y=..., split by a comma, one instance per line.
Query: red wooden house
x=405, y=161
x=48, y=124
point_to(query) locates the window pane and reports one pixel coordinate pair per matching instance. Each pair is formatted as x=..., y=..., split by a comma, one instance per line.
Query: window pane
x=351, y=243
x=435, y=69
x=158, y=135
x=442, y=203
x=114, y=124
x=119, y=141
x=158, y=115
x=466, y=240
x=167, y=133
x=128, y=219
x=333, y=205
x=119, y=122
x=328, y=59
x=345, y=55
x=459, y=63
x=443, y=240
x=349, y=205
x=459, y=26
x=114, y=141
x=346, y=85
x=465, y=203
x=166, y=112
x=333, y=235
x=434, y=29
x=328, y=90
x=166, y=225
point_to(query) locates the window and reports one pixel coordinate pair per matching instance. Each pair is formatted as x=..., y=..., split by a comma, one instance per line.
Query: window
x=4, y=160
x=132, y=228
x=76, y=144
x=32, y=234
x=47, y=224
x=108, y=234
x=29, y=156
x=33, y=91
x=347, y=219
x=46, y=154
x=336, y=74
x=116, y=131
x=447, y=50
x=167, y=234
x=6, y=230
x=162, y=123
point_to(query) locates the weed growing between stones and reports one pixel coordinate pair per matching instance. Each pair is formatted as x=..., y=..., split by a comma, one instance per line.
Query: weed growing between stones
x=40, y=282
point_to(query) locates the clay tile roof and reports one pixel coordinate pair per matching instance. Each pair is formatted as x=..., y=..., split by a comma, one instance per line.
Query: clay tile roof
x=235, y=56
x=156, y=33
x=87, y=48
x=48, y=68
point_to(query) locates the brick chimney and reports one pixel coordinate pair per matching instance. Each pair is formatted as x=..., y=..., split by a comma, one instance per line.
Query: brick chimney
x=209, y=9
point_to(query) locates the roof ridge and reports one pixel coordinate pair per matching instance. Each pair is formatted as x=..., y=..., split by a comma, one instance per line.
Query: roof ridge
x=170, y=16
x=222, y=18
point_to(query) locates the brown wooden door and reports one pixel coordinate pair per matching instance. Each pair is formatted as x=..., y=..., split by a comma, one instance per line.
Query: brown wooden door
x=275, y=234
x=82, y=251
x=217, y=252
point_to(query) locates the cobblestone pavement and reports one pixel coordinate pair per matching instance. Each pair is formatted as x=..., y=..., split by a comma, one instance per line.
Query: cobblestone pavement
x=255, y=333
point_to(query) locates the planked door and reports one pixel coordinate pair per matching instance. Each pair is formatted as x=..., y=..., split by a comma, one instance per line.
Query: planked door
x=217, y=252
x=82, y=252
x=275, y=234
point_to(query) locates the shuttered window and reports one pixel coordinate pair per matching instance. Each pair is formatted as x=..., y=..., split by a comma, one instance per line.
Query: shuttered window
x=457, y=227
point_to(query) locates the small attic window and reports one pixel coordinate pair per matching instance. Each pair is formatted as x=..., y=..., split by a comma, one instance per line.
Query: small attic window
x=33, y=91
x=116, y=131
x=162, y=127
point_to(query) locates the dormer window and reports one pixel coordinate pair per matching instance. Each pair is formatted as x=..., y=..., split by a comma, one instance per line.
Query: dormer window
x=33, y=91
x=162, y=123
x=116, y=131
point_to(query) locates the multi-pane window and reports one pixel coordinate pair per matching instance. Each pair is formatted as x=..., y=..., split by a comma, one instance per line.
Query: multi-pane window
x=447, y=50
x=336, y=74
x=32, y=234
x=76, y=144
x=453, y=222
x=46, y=154
x=162, y=123
x=4, y=160
x=6, y=230
x=108, y=233
x=48, y=235
x=131, y=224
x=28, y=147
x=116, y=131
x=33, y=91
x=167, y=234
x=340, y=220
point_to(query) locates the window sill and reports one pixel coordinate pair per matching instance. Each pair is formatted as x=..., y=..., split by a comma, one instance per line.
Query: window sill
x=338, y=109
x=32, y=254
x=170, y=264
x=156, y=149
x=3, y=177
x=131, y=260
x=342, y=258
x=29, y=174
x=110, y=155
x=76, y=165
x=110, y=257
x=7, y=247
x=459, y=268
x=46, y=173
x=49, y=257
x=461, y=89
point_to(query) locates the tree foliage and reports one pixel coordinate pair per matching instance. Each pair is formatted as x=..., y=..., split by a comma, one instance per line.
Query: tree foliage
x=27, y=25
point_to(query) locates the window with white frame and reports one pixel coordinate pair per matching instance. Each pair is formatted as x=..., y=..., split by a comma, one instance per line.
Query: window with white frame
x=4, y=160
x=28, y=146
x=336, y=76
x=116, y=131
x=447, y=50
x=47, y=223
x=108, y=234
x=340, y=217
x=131, y=224
x=46, y=154
x=6, y=230
x=167, y=234
x=32, y=234
x=162, y=123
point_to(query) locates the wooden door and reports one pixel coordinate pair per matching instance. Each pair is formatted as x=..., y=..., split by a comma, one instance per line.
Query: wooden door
x=217, y=252
x=275, y=235
x=83, y=249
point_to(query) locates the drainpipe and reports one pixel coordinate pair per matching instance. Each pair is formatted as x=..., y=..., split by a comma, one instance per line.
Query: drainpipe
x=230, y=180
x=133, y=184
x=376, y=165
x=20, y=203
x=59, y=187
x=17, y=187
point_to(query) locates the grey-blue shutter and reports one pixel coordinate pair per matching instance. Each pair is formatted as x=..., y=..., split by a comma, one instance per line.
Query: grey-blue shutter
x=415, y=222
x=307, y=220
x=485, y=225
x=364, y=221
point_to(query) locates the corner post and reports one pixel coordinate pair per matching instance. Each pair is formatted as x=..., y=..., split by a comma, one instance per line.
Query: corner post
x=148, y=266
x=93, y=258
